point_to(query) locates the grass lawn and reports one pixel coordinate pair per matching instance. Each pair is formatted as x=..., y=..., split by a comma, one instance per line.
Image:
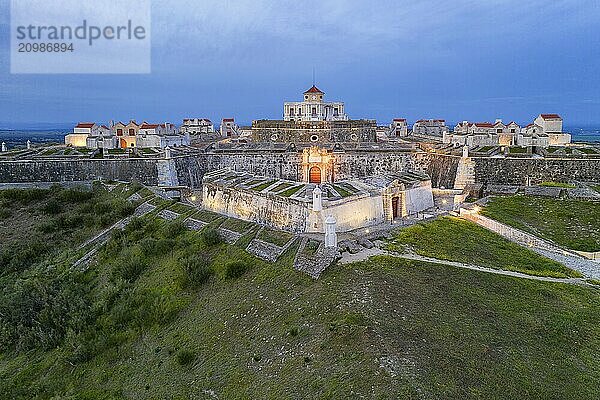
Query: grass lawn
x=291, y=191
x=517, y=150
x=558, y=184
x=206, y=216
x=282, y=186
x=574, y=224
x=181, y=208
x=342, y=191
x=236, y=225
x=278, y=238
x=587, y=150
x=262, y=186
x=454, y=239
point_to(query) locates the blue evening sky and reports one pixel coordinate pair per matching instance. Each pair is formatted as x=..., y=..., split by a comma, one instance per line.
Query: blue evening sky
x=458, y=60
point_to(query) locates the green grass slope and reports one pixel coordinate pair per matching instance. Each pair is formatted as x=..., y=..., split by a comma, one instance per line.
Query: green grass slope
x=454, y=239
x=169, y=313
x=574, y=224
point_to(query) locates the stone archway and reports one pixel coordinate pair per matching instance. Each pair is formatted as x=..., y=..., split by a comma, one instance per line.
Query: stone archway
x=314, y=175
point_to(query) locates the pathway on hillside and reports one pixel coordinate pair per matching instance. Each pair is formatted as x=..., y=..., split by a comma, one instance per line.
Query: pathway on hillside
x=363, y=255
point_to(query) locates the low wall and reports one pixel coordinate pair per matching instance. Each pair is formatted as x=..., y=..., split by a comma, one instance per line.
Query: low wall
x=141, y=170
x=273, y=211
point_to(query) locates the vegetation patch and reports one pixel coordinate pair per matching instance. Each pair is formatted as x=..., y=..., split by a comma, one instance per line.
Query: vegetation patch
x=291, y=191
x=558, y=184
x=454, y=239
x=574, y=224
x=237, y=225
x=278, y=238
x=517, y=150
x=262, y=186
x=342, y=191
x=282, y=186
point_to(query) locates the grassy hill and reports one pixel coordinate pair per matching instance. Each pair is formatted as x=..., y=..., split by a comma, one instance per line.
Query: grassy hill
x=570, y=223
x=169, y=313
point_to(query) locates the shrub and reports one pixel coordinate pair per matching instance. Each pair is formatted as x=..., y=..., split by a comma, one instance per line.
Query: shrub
x=211, y=237
x=235, y=269
x=185, y=357
x=24, y=196
x=198, y=270
x=157, y=247
x=173, y=229
x=129, y=268
x=5, y=213
x=53, y=207
x=75, y=195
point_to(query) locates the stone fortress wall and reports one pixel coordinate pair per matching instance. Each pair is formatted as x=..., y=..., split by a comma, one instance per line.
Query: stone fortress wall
x=273, y=211
x=47, y=170
x=518, y=171
x=287, y=165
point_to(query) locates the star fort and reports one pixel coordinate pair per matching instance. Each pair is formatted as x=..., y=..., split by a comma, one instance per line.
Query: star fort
x=316, y=172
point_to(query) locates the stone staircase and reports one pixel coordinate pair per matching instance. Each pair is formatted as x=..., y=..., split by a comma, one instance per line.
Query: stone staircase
x=315, y=264
x=465, y=173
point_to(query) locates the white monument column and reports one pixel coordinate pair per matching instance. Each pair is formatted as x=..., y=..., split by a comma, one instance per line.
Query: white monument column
x=167, y=152
x=4, y=148
x=465, y=151
x=28, y=144
x=330, y=235
x=317, y=200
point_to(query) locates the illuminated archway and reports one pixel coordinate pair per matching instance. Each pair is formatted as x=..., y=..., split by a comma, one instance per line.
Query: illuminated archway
x=314, y=175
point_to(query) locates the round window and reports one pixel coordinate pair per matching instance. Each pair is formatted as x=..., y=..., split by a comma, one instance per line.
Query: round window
x=274, y=138
x=314, y=138
x=353, y=137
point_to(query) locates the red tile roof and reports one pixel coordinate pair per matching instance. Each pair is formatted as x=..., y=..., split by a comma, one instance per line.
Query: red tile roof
x=149, y=126
x=550, y=116
x=314, y=89
x=400, y=119
x=228, y=119
x=483, y=124
x=85, y=125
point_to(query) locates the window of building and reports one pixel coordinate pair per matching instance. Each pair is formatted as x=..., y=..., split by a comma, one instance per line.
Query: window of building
x=131, y=132
x=314, y=112
x=119, y=132
x=513, y=130
x=314, y=138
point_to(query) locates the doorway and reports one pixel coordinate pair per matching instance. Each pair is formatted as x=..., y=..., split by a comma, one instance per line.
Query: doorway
x=394, y=207
x=314, y=175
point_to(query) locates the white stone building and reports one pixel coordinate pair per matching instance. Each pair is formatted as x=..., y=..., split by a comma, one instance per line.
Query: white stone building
x=197, y=126
x=80, y=134
x=430, y=127
x=161, y=136
x=103, y=139
x=313, y=108
x=229, y=128
x=398, y=128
